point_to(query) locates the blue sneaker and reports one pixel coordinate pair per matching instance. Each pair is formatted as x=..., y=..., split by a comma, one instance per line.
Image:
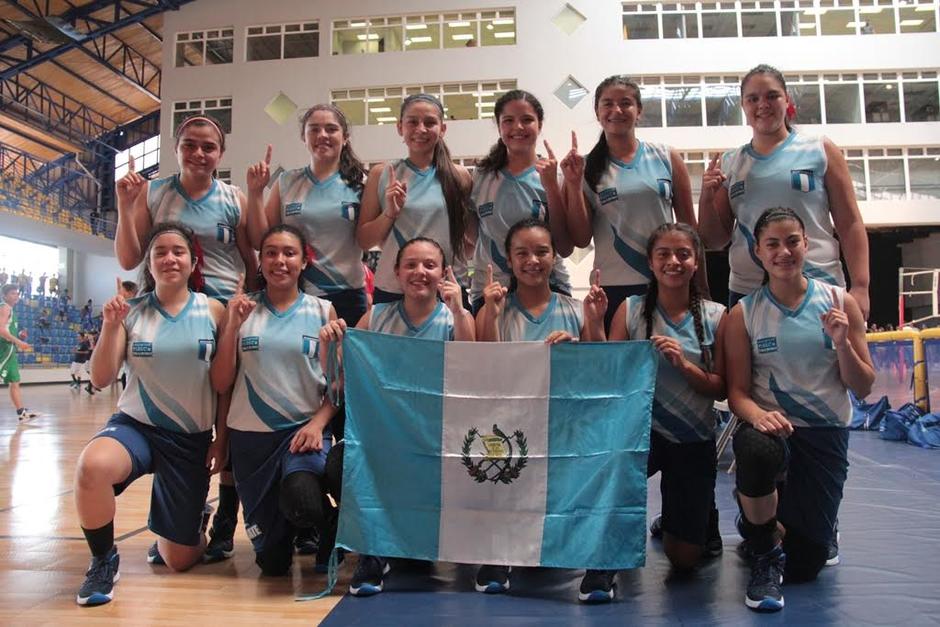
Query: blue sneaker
x=153, y=555
x=369, y=576
x=597, y=586
x=492, y=579
x=221, y=544
x=832, y=558
x=100, y=578
x=764, y=592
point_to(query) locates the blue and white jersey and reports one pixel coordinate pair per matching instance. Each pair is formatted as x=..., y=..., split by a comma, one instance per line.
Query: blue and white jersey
x=214, y=219
x=793, y=176
x=392, y=319
x=680, y=414
x=279, y=384
x=167, y=360
x=424, y=215
x=516, y=324
x=794, y=365
x=326, y=212
x=633, y=200
x=499, y=201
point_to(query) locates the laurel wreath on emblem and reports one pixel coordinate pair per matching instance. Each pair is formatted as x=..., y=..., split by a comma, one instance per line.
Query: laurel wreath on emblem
x=497, y=467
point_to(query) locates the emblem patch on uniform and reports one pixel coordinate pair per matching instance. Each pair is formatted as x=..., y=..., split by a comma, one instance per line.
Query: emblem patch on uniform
x=350, y=210
x=206, y=350
x=224, y=233
x=485, y=210
x=539, y=208
x=803, y=180
x=293, y=208
x=500, y=461
x=767, y=345
x=665, y=188
x=608, y=195
x=253, y=531
x=251, y=343
x=311, y=346
x=142, y=349
x=737, y=189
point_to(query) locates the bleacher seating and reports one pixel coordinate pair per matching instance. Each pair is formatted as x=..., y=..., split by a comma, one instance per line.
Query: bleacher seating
x=62, y=334
x=20, y=198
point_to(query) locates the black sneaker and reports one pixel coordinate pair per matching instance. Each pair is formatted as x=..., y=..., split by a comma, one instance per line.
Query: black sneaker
x=221, y=545
x=656, y=527
x=368, y=578
x=764, y=592
x=492, y=579
x=26, y=414
x=306, y=542
x=153, y=555
x=833, y=556
x=597, y=586
x=714, y=546
x=102, y=574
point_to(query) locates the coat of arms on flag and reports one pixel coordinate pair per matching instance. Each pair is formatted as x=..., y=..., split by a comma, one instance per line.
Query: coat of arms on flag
x=499, y=453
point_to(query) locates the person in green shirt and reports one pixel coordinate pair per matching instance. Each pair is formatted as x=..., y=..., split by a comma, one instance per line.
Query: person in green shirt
x=11, y=339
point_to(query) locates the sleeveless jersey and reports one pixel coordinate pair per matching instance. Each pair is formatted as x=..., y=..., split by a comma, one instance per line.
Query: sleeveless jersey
x=391, y=318
x=633, y=200
x=279, y=384
x=680, y=414
x=563, y=313
x=793, y=176
x=214, y=219
x=8, y=349
x=326, y=212
x=794, y=365
x=167, y=361
x=499, y=201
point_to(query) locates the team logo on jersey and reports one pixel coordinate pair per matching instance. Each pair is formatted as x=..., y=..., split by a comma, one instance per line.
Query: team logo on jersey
x=539, y=208
x=251, y=343
x=253, y=531
x=737, y=189
x=665, y=188
x=803, y=180
x=293, y=208
x=608, y=195
x=206, y=350
x=311, y=347
x=350, y=210
x=485, y=210
x=499, y=462
x=224, y=233
x=767, y=345
x=142, y=349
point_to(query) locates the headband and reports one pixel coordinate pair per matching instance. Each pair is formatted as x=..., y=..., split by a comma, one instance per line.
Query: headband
x=200, y=118
x=424, y=98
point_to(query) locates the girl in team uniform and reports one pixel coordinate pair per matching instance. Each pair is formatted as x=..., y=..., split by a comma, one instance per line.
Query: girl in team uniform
x=529, y=311
x=513, y=183
x=782, y=167
x=687, y=331
x=622, y=191
x=794, y=348
x=165, y=415
x=423, y=195
x=423, y=276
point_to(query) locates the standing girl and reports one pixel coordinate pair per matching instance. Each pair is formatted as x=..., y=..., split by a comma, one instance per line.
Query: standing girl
x=423, y=195
x=794, y=349
x=280, y=417
x=629, y=186
x=511, y=184
x=165, y=415
x=782, y=167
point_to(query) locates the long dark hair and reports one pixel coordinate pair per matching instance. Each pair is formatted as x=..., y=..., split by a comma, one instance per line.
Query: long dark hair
x=775, y=214
x=526, y=223
x=498, y=156
x=777, y=75
x=419, y=240
x=350, y=167
x=695, y=298
x=596, y=161
x=196, y=281
x=457, y=201
x=305, y=250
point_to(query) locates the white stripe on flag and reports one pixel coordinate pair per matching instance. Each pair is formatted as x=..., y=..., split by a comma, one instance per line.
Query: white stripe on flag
x=494, y=523
x=804, y=182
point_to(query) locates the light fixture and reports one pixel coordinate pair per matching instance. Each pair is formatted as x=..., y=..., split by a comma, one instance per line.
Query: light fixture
x=504, y=21
x=870, y=10
x=458, y=24
x=507, y=35
x=815, y=11
x=889, y=86
x=925, y=9
x=807, y=25
x=462, y=37
x=390, y=118
x=854, y=24
x=357, y=24
x=380, y=109
x=379, y=99
x=370, y=37
x=421, y=40
x=911, y=22
x=416, y=26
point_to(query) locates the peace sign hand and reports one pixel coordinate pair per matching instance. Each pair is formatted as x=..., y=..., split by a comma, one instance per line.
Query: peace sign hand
x=115, y=310
x=836, y=322
x=572, y=166
x=259, y=174
x=450, y=292
x=395, y=195
x=130, y=187
x=595, y=303
x=494, y=294
x=713, y=177
x=547, y=167
x=240, y=306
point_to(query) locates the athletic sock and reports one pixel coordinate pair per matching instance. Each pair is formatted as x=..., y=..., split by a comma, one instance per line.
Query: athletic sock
x=228, y=501
x=763, y=537
x=100, y=540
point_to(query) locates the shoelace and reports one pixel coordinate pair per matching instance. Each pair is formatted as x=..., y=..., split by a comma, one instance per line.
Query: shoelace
x=101, y=570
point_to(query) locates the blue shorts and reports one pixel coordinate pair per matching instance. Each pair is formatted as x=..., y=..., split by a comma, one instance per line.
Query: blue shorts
x=687, y=485
x=180, y=477
x=260, y=461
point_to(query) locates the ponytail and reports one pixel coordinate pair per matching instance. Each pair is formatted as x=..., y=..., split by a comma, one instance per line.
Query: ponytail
x=496, y=160
x=457, y=201
x=596, y=162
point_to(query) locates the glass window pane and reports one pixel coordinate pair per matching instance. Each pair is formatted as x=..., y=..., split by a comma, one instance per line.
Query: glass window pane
x=224, y=116
x=354, y=110
x=498, y=32
x=188, y=53
x=696, y=170
x=464, y=107
x=722, y=105
x=837, y=22
x=921, y=19
x=297, y=45
x=887, y=179
x=683, y=106
x=876, y=20
x=460, y=33
x=652, y=114
x=925, y=178
x=881, y=102
x=680, y=26
x=842, y=104
x=806, y=100
x=390, y=38
x=349, y=41
x=797, y=24
x=921, y=102
x=719, y=24
x=179, y=117
x=384, y=111
x=857, y=172
x=219, y=51
x=758, y=24
x=640, y=27
x=264, y=48
x=423, y=36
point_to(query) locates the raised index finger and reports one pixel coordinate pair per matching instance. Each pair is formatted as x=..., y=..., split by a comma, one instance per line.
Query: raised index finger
x=267, y=155
x=714, y=161
x=551, y=154
x=574, y=141
x=130, y=163
x=240, y=287
x=835, y=299
x=118, y=285
x=596, y=277
x=391, y=174
x=489, y=273
x=450, y=274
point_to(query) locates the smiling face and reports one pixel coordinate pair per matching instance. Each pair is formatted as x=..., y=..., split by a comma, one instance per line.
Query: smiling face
x=673, y=259
x=199, y=149
x=764, y=101
x=324, y=136
x=781, y=247
x=519, y=126
x=618, y=109
x=282, y=260
x=170, y=261
x=420, y=270
x=531, y=256
x=421, y=127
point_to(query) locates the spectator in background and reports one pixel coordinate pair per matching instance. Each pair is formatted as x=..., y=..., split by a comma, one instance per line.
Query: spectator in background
x=86, y=320
x=80, y=362
x=11, y=340
x=21, y=281
x=43, y=322
x=3, y=276
x=54, y=285
x=41, y=287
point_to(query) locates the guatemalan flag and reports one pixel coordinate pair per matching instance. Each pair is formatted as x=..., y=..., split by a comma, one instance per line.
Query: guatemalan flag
x=498, y=453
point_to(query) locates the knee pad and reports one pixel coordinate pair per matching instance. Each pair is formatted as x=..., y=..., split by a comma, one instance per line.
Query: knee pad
x=301, y=500
x=759, y=459
x=805, y=558
x=334, y=471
